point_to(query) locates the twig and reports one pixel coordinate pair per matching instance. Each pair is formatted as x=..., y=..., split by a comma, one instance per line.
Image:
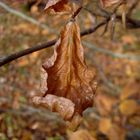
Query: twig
x=131, y=23
x=106, y=28
x=27, y=110
x=112, y=54
x=25, y=17
x=113, y=24
x=11, y=57
x=76, y=12
x=114, y=89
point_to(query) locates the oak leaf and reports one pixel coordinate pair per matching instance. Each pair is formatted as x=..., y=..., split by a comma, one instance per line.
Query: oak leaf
x=67, y=74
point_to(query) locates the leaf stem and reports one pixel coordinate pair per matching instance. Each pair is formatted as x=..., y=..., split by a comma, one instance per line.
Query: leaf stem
x=76, y=12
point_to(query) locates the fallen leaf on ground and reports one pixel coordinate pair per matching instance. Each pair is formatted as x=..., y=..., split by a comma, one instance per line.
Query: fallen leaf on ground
x=128, y=107
x=104, y=104
x=81, y=135
x=105, y=125
x=131, y=90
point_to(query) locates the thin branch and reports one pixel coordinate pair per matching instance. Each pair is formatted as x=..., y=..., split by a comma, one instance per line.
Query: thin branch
x=28, y=110
x=76, y=12
x=11, y=57
x=131, y=23
x=114, y=89
x=113, y=24
x=105, y=29
x=25, y=17
x=112, y=54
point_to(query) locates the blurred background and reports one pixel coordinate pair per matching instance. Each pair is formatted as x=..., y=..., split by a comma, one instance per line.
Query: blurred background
x=116, y=114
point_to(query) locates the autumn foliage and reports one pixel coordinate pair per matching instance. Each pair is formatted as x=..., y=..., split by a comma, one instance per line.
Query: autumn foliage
x=67, y=74
x=90, y=80
x=57, y=5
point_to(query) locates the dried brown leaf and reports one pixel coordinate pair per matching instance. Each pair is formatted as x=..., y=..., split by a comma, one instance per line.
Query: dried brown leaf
x=57, y=5
x=67, y=73
x=63, y=106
